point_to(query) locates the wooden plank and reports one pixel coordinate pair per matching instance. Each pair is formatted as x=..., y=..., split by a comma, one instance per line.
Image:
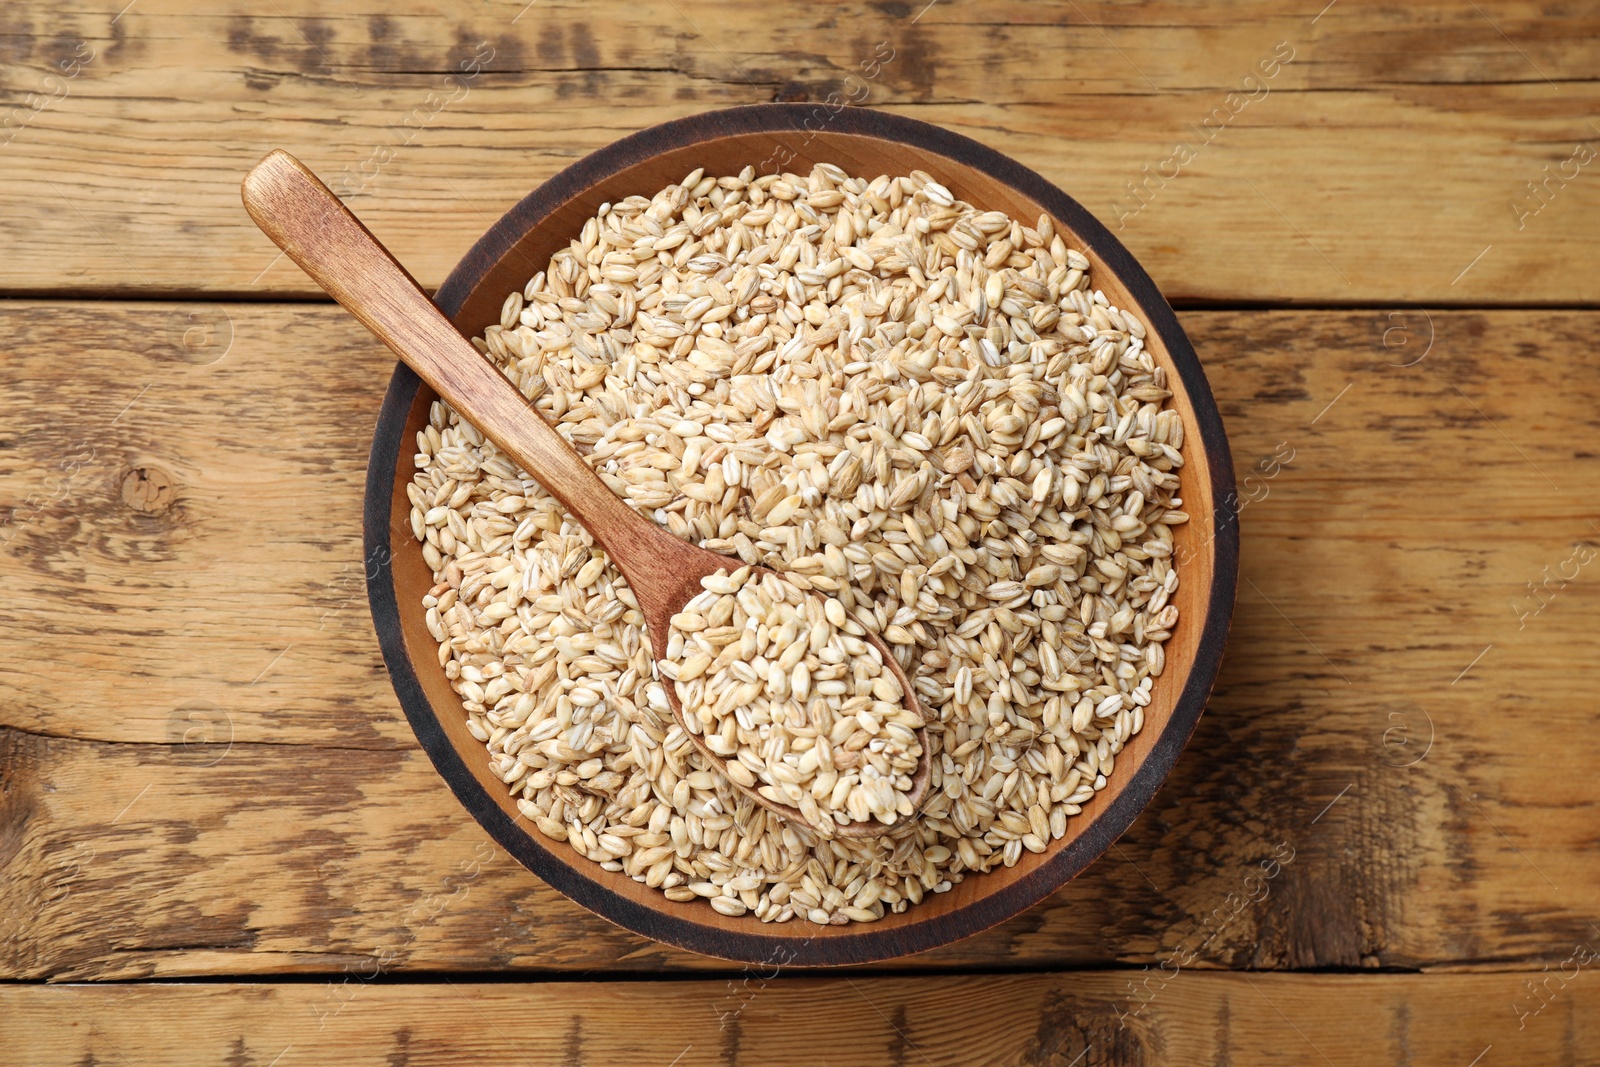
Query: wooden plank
x=205, y=771
x=1054, y=1018
x=1339, y=178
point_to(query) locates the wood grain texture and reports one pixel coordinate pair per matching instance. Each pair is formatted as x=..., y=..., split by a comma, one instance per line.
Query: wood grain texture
x=203, y=769
x=1390, y=159
x=1056, y=1019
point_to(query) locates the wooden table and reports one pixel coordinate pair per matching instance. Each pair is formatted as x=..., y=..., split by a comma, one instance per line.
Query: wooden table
x=221, y=842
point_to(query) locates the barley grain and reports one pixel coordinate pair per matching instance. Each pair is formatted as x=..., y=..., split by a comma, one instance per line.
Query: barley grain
x=929, y=422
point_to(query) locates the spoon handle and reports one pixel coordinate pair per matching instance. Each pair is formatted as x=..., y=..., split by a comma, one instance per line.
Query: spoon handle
x=316, y=230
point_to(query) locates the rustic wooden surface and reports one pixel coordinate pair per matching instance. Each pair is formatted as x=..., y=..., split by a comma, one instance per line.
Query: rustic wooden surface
x=1372, y=167
x=1056, y=1018
x=203, y=770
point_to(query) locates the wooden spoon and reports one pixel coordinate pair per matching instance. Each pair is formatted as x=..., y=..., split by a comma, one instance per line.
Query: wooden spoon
x=316, y=230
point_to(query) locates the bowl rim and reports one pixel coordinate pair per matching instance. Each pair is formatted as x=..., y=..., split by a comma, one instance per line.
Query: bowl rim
x=867, y=942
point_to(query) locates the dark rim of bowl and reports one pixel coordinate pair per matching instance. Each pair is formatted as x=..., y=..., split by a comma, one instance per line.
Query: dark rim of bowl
x=867, y=943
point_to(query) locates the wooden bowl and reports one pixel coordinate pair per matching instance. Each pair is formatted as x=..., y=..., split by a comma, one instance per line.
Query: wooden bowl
x=865, y=143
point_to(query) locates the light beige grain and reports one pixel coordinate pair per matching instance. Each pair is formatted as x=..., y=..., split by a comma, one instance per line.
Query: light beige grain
x=919, y=411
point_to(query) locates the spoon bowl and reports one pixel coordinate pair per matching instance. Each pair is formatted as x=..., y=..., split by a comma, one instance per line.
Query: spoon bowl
x=656, y=625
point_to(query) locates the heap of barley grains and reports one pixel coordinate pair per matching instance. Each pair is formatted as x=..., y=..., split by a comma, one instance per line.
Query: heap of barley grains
x=914, y=407
x=782, y=686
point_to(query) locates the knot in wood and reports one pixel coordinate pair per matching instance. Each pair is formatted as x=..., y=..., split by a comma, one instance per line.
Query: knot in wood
x=147, y=489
